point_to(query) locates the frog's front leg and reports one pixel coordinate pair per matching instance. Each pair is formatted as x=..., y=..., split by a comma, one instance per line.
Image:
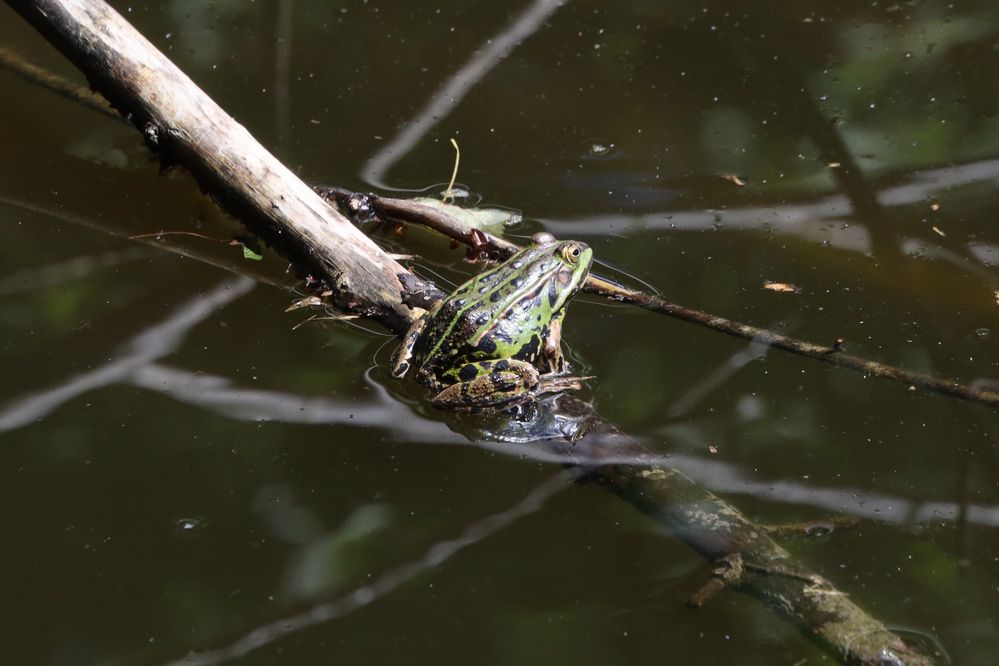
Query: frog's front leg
x=555, y=377
x=552, y=360
x=489, y=384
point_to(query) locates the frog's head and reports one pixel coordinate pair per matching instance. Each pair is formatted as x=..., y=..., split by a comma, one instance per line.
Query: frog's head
x=574, y=261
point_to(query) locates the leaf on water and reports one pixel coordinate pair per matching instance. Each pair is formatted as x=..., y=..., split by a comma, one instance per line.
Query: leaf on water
x=250, y=254
x=938, y=231
x=492, y=220
x=996, y=294
x=732, y=178
x=781, y=287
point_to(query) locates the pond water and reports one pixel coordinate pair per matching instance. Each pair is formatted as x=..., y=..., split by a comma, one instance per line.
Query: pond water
x=183, y=464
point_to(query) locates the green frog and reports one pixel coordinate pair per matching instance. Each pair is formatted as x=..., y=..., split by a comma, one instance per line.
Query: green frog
x=496, y=342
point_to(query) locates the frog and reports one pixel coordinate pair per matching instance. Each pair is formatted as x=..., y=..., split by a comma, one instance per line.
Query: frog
x=496, y=341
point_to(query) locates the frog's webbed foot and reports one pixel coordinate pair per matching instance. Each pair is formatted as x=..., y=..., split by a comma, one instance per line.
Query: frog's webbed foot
x=556, y=383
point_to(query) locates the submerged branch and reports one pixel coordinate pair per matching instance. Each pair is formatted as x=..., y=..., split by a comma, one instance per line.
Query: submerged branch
x=57, y=84
x=439, y=220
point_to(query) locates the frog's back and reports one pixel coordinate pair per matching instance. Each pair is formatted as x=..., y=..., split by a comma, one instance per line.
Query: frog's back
x=451, y=329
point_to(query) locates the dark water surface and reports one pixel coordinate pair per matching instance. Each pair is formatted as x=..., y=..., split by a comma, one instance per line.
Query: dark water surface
x=181, y=463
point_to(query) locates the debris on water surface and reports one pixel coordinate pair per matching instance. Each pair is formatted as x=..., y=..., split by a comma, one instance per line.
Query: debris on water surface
x=600, y=149
x=188, y=526
x=781, y=287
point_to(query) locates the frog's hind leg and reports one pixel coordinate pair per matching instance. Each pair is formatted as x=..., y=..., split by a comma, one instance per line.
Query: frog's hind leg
x=489, y=384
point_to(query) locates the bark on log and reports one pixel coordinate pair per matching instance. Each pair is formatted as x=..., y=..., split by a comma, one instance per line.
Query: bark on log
x=186, y=126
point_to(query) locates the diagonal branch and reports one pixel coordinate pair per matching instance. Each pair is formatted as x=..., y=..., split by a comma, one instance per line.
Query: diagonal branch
x=185, y=126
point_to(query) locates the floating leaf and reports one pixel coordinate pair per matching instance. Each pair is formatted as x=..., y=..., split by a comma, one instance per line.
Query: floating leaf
x=250, y=254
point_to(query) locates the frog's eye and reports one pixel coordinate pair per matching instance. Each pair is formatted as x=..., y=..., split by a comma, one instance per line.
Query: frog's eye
x=571, y=253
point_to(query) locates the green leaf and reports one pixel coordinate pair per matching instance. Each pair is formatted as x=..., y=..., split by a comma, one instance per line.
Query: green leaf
x=250, y=254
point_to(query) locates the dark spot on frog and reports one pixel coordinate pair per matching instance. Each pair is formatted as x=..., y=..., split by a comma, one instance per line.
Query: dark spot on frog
x=494, y=297
x=487, y=345
x=468, y=373
x=553, y=293
x=403, y=367
x=502, y=364
x=529, y=351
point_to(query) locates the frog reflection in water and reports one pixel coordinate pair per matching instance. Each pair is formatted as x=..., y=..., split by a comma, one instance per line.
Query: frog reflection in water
x=496, y=341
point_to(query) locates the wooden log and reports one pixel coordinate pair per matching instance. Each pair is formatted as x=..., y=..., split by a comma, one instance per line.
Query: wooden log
x=187, y=127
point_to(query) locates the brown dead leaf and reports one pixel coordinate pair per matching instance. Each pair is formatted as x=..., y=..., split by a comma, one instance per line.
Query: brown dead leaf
x=996, y=294
x=781, y=287
x=311, y=301
x=733, y=178
x=938, y=231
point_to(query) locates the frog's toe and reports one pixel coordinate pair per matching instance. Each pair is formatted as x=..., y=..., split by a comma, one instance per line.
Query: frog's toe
x=558, y=383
